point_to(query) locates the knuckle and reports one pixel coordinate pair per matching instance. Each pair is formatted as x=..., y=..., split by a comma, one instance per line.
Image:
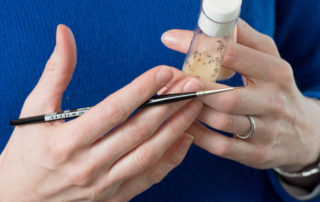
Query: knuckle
x=123, y=195
x=93, y=194
x=51, y=64
x=267, y=43
x=135, y=133
x=272, y=129
x=119, y=198
x=145, y=156
x=51, y=106
x=199, y=138
x=284, y=74
x=175, y=129
x=224, y=122
x=176, y=159
x=261, y=156
x=79, y=176
x=58, y=152
x=142, y=90
x=100, y=190
x=224, y=149
x=98, y=193
x=155, y=177
x=268, y=39
x=113, y=113
x=231, y=56
x=278, y=105
x=231, y=102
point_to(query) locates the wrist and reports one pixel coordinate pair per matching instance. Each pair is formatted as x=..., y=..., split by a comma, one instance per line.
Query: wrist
x=305, y=172
x=300, y=167
x=304, y=176
x=306, y=183
x=308, y=129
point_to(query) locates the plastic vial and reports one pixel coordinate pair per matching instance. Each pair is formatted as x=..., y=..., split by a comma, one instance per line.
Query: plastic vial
x=216, y=26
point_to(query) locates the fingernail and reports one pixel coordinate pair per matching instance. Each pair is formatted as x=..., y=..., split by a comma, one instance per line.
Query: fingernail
x=192, y=85
x=58, y=35
x=187, y=141
x=162, y=90
x=193, y=108
x=164, y=75
x=169, y=38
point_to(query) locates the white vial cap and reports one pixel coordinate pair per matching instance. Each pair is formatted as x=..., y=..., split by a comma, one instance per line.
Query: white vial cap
x=217, y=17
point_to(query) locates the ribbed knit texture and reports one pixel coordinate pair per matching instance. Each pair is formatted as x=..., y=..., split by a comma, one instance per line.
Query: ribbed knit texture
x=119, y=40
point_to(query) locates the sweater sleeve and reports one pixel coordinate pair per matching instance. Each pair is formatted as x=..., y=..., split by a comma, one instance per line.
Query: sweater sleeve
x=297, y=36
x=290, y=193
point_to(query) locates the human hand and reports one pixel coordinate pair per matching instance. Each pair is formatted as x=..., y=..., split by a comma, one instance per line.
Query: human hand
x=287, y=129
x=75, y=160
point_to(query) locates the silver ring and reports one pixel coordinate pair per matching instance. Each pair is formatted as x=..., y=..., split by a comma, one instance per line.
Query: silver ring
x=253, y=127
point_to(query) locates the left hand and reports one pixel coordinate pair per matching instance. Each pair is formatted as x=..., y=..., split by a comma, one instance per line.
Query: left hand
x=287, y=123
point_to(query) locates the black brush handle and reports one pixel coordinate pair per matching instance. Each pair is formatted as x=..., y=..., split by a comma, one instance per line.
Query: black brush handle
x=169, y=98
x=34, y=119
x=67, y=114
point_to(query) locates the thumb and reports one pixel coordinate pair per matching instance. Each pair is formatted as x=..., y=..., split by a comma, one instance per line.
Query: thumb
x=46, y=96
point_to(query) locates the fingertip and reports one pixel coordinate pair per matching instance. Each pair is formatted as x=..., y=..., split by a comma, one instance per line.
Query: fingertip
x=193, y=85
x=63, y=28
x=177, y=39
x=59, y=27
x=65, y=43
x=186, y=142
x=163, y=37
x=169, y=38
x=64, y=33
x=178, y=76
x=59, y=34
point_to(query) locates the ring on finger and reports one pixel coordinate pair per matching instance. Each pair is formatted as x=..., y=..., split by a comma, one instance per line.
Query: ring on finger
x=252, y=129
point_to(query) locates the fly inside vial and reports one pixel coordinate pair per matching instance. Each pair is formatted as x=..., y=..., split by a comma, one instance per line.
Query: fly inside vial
x=205, y=56
x=215, y=28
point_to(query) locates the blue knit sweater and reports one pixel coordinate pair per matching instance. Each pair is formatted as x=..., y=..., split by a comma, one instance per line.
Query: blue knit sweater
x=119, y=40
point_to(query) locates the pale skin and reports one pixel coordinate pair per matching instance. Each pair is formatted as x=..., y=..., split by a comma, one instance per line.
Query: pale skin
x=287, y=123
x=75, y=161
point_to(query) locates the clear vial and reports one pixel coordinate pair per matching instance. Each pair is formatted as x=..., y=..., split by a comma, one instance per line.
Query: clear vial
x=216, y=26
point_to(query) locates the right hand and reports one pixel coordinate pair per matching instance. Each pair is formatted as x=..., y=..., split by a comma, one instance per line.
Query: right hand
x=75, y=160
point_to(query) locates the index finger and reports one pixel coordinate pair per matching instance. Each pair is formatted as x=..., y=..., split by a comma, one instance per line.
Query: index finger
x=250, y=37
x=250, y=62
x=240, y=101
x=117, y=107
